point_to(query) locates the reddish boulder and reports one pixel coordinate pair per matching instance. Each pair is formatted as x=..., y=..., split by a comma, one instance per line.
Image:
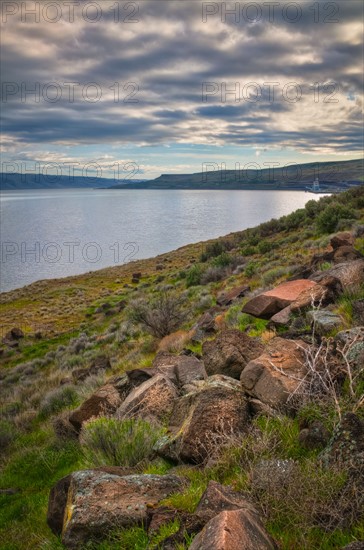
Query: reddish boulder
x=202, y=421
x=267, y=304
x=234, y=530
x=276, y=374
x=229, y=352
x=103, y=402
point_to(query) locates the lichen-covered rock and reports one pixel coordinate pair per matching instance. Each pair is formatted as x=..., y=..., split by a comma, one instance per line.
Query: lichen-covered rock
x=203, y=420
x=234, y=530
x=346, y=447
x=229, y=352
x=218, y=498
x=324, y=321
x=344, y=238
x=152, y=401
x=98, y=502
x=275, y=374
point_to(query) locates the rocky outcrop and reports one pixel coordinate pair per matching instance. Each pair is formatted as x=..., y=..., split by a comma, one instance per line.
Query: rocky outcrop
x=103, y=402
x=345, y=238
x=153, y=400
x=233, y=530
x=229, y=353
x=98, y=501
x=296, y=294
x=276, y=374
x=203, y=420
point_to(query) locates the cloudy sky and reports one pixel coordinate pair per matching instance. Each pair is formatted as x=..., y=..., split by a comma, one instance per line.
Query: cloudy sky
x=169, y=86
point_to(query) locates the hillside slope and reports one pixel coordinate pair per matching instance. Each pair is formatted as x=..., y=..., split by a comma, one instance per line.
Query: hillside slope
x=233, y=367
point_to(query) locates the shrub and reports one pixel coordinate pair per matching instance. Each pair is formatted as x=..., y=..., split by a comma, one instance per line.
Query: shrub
x=264, y=247
x=57, y=400
x=329, y=218
x=223, y=260
x=215, y=249
x=251, y=269
x=272, y=275
x=118, y=442
x=194, y=275
x=248, y=250
x=161, y=316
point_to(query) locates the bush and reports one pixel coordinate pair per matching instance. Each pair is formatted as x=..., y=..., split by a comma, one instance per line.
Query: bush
x=215, y=249
x=112, y=442
x=194, y=275
x=213, y=275
x=329, y=218
x=223, y=260
x=57, y=400
x=161, y=316
x=264, y=247
x=251, y=269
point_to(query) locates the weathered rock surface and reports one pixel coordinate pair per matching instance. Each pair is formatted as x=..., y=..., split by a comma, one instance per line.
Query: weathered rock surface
x=348, y=274
x=275, y=374
x=203, y=420
x=103, y=402
x=233, y=530
x=226, y=298
x=218, y=498
x=57, y=504
x=98, y=502
x=346, y=446
x=345, y=238
x=301, y=292
x=229, y=352
x=324, y=321
x=182, y=370
x=153, y=400
x=271, y=474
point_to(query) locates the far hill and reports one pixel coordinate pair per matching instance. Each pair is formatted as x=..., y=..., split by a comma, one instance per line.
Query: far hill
x=331, y=175
x=15, y=181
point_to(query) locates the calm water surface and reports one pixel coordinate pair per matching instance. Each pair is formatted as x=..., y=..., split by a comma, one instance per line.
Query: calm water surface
x=51, y=233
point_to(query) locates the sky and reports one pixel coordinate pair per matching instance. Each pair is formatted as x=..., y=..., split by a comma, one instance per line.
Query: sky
x=139, y=89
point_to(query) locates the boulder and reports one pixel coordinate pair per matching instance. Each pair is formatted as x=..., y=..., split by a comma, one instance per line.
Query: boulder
x=345, y=254
x=346, y=447
x=103, y=402
x=358, y=311
x=182, y=370
x=275, y=375
x=267, y=304
x=218, y=498
x=345, y=238
x=100, y=364
x=233, y=530
x=324, y=321
x=57, y=504
x=153, y=400
x=348, y=274
x=229, y=352
x=315, y=436
x=14, y=334
x=202, y=421
x=226, y=298
x=275, y=473
x=358, y=545
x=98, y=502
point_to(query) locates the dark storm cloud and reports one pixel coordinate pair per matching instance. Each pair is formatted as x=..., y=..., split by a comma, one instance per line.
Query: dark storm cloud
x=170, y=54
